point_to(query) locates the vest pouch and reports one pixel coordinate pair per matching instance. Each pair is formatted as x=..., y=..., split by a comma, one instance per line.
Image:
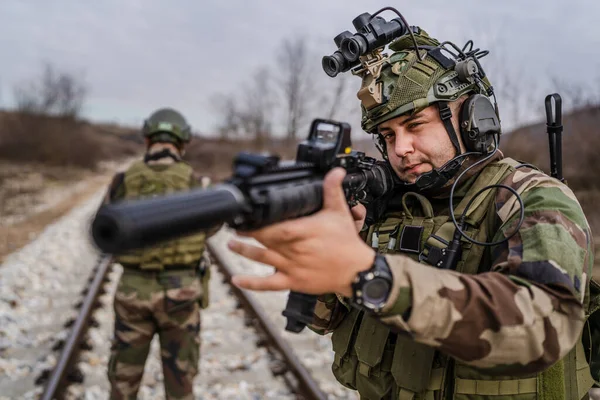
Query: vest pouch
x=412, y=364
x=373, y=377
x=383, y=233
x=472, y=384
x=582, y=364
x=345, y=363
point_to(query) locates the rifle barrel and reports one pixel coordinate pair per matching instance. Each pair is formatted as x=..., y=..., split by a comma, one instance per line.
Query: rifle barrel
x=127, y=225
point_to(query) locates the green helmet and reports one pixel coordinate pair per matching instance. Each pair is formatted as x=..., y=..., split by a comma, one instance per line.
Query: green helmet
x=404, y=84
x=167, y=125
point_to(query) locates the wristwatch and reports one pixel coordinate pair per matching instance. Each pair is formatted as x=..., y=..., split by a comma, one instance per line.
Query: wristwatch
x=371, y=288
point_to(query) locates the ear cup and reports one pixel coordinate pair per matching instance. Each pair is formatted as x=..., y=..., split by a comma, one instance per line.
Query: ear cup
x=478, y=123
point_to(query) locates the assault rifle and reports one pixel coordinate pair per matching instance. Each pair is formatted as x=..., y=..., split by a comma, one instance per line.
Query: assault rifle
x=263, y=190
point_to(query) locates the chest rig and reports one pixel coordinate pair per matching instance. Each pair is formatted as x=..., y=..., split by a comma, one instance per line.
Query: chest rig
x=381, y=364
x=142, y=180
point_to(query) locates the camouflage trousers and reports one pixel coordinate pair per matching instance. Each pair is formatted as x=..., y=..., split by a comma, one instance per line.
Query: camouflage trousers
x=164, y=303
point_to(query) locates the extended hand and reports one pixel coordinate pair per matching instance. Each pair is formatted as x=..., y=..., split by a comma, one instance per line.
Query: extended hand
x=321, y=253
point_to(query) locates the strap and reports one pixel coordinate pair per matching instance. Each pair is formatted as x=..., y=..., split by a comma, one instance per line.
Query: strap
x=496, y=388
x=426, y=206
x=446, y=117
x=342, y=336
x=437, y=379
x=161, y=154
x=478, y=209
x=406, y=394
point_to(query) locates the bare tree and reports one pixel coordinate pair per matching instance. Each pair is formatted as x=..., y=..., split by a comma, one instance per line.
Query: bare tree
x=295, y=82
x=59, y=93
x=225, y=106
x=255, y=116
x=336, y=101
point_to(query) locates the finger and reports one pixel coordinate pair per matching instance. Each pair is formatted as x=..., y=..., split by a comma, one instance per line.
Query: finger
x=258, y=254
x=359, y=212
x=333, y=194
x=279, y=233
x=277, y=281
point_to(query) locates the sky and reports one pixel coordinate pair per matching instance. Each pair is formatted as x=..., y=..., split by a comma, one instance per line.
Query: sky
x=138, y=55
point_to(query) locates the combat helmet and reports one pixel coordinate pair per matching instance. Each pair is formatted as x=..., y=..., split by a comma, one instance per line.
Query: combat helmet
x=167, y=125
x=408, y=82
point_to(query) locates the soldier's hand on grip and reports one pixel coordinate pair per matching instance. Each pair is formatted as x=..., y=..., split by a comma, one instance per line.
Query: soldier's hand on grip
x=317, y=254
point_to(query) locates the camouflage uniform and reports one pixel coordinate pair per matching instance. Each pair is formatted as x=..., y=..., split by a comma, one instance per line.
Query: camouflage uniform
x=507, y=323
x=161, y=290
x=518, y=313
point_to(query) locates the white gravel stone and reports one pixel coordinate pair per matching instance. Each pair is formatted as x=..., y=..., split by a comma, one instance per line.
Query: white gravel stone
x=41, y=283
x=39, y=286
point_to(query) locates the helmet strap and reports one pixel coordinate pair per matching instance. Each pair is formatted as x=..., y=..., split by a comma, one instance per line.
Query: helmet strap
x=446, y=117
x=161, y=154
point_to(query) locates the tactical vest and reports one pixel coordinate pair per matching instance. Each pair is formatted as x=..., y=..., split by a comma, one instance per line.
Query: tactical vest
x=381, y=364
x=142, y=180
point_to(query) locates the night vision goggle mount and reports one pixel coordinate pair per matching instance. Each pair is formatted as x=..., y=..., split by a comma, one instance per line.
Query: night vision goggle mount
x=362, y=52
x=373, y=33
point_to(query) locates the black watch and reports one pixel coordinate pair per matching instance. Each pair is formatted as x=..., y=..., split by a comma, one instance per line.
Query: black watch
x=371, y=288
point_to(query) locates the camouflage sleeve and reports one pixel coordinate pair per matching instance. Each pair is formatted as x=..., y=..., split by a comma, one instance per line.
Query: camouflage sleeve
x=527, y=312
x=329, y=312
x=116, y=189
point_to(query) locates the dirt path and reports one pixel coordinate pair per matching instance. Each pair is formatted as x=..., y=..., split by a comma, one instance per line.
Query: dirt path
x=37, y=201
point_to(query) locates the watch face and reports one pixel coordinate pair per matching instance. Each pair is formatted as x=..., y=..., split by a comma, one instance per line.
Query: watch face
x=376, y=291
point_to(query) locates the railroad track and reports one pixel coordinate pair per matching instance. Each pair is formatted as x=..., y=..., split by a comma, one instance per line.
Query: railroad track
x=296, y=374
x=65, y=371
x=280, y=358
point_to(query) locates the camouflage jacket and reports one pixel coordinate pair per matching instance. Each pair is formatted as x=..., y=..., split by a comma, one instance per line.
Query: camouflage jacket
x=520, y=316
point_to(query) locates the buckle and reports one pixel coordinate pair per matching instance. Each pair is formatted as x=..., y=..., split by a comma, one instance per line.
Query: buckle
x=434, y=257
x=445, y=111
